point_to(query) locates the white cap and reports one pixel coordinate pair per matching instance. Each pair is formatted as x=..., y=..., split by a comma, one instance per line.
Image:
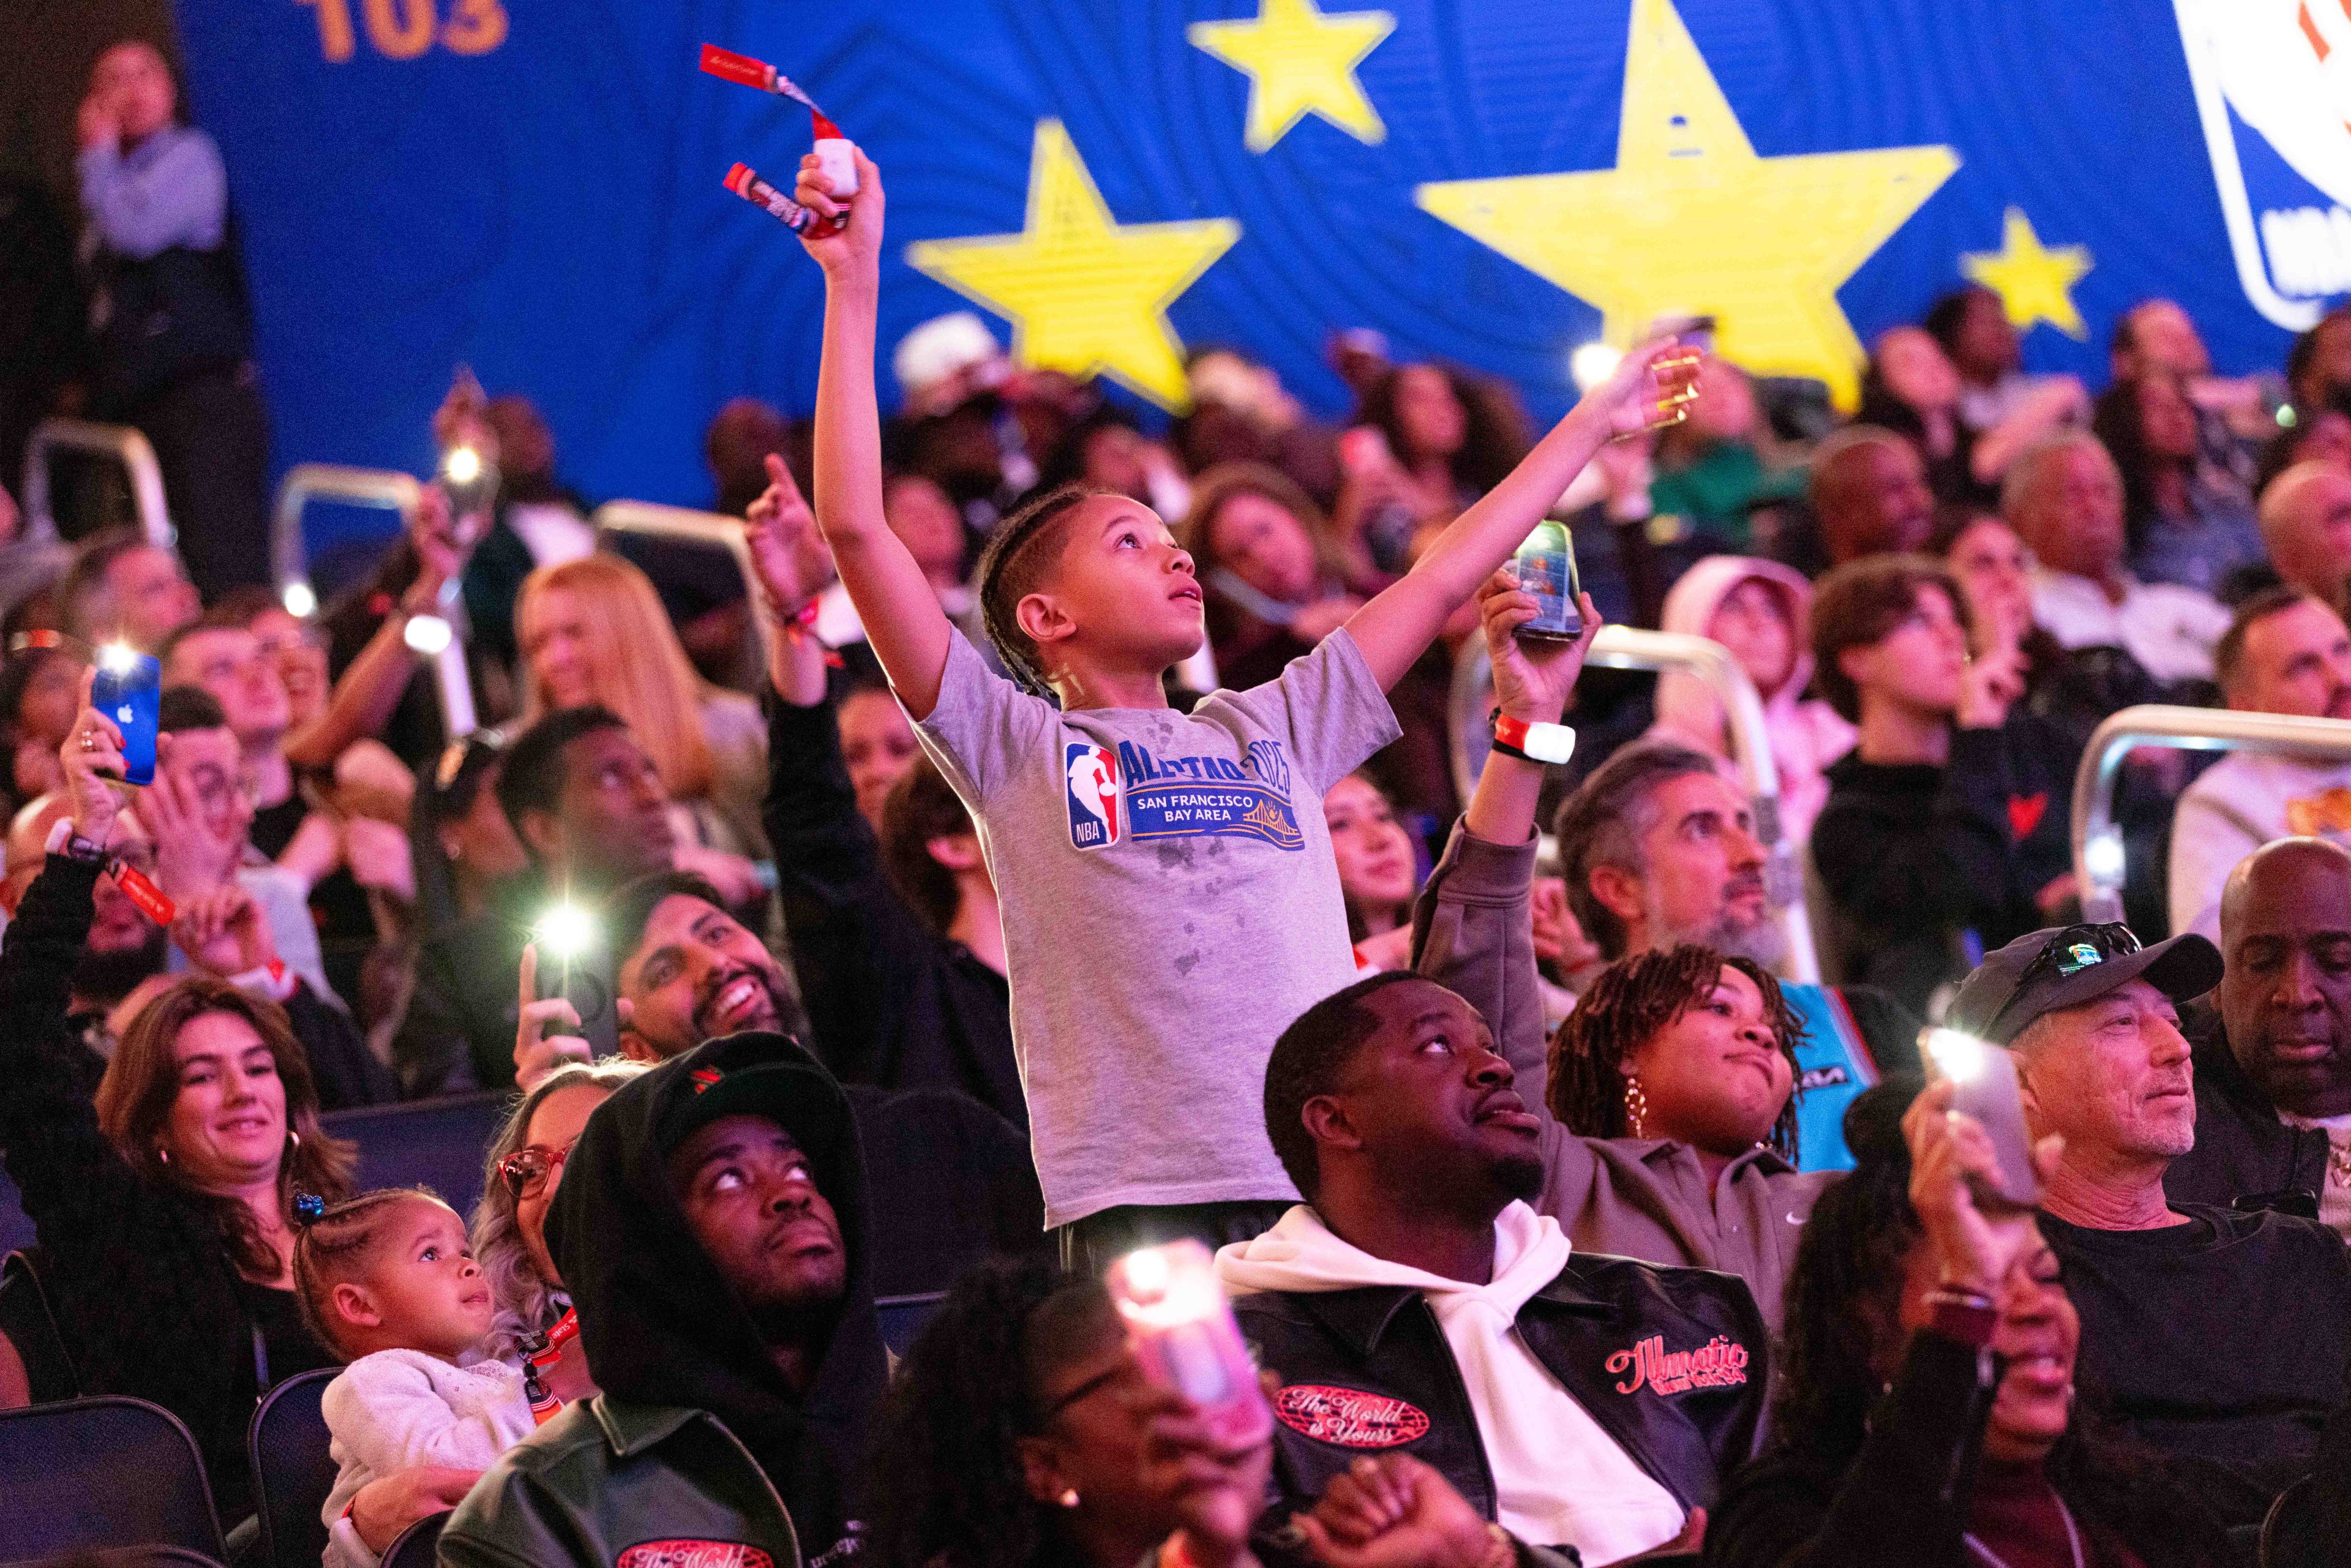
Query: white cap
x=940, y=348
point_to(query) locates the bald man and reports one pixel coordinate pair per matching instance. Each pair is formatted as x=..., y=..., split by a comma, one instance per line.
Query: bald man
x=1869, y=492
x=2306, y=517
x=2272, y=1043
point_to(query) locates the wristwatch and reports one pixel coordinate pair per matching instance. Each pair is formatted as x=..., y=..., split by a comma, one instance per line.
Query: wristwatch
x=1550, y=743
x=65, y=838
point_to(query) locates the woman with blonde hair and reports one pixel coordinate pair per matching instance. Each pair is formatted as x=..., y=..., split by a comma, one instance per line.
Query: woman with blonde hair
x=594, y=631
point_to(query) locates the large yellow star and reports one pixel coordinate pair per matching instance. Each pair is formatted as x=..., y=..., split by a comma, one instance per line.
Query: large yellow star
x=1691, y=220
x=1300, y=61
x=1084, y=293
x=2034, y=282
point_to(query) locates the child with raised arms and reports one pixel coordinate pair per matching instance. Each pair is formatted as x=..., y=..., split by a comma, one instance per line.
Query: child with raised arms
x=1169, y=897
x=388, y=1282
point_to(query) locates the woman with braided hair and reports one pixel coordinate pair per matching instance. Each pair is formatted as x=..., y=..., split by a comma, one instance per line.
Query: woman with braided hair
x=1673, y=1093
x=1671, y=1134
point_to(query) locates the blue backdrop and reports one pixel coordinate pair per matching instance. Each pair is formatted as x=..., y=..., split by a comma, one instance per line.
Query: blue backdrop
x=534, y=188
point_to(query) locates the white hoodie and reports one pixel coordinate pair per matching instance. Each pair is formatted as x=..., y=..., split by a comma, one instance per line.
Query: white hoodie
x=1560, y=1480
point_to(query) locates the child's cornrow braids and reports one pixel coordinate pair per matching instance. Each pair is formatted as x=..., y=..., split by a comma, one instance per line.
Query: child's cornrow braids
x=1009, y=571
x=333, y=1244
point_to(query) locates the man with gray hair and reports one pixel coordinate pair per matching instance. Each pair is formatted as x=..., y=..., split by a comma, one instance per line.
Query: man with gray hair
x=2211, y=1332
x=2064, y=499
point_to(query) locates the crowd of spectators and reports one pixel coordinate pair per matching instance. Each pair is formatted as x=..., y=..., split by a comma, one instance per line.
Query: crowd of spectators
x=1083, y=867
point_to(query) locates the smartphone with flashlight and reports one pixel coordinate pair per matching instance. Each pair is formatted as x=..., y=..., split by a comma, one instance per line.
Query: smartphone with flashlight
x=1984, y=1079
x=127, y=688
x=471, y=479
x=1183, y=1332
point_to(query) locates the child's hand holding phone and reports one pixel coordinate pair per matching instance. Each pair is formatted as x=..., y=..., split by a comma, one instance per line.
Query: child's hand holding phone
x=854, y=250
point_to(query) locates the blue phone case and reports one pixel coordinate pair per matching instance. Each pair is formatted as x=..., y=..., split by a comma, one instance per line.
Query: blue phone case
x=131, y=699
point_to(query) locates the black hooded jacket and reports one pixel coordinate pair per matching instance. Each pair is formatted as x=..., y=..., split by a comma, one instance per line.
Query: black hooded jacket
x=663, y=1327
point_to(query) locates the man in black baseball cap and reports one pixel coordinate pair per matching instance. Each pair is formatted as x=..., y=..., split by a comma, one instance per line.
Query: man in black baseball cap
x=2210, y=1333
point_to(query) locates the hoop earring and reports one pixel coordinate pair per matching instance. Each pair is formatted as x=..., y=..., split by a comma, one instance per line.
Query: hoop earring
x=1069, y=1498
x=1637, y=1107
x=293, y=1138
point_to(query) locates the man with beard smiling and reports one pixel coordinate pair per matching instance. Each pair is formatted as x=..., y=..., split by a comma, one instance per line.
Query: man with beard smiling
x=689, y=971
x=2285, y=653
x=2211, y=1333
x=1604, y=1399
x=2274, y=1050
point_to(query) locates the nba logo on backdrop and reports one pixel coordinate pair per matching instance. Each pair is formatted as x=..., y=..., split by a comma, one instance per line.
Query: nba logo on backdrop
x=1091, y=772
x=2273, y=82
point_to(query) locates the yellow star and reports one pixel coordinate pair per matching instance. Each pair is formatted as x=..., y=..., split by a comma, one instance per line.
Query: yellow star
x=1300, y=61
x=2034, y=282
x=1084, y=293
x=1691, y=220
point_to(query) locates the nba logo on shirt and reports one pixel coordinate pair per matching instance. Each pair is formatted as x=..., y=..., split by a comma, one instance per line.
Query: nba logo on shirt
x=1092, y=775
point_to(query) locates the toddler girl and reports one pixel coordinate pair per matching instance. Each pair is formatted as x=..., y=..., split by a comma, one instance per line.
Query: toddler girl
x=388, y=1283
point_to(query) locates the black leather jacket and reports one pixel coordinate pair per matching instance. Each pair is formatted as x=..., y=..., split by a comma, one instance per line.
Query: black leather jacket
x=2242, y=1148
x=1368, y=1369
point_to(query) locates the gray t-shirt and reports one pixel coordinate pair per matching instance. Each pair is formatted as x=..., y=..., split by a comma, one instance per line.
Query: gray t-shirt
x=1170, y=905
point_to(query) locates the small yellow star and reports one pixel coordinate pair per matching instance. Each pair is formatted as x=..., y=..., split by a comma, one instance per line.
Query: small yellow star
x=1300, y=61
x=2034, y=282
x=1691, y=220
x=1084, y=293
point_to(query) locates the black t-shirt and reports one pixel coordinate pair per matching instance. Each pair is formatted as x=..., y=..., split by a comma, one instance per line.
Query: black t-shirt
x=339, y=904
x=2224, y=1338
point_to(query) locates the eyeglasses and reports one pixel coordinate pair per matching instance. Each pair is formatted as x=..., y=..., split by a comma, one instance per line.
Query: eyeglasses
x=2067, y=953
x=309, y=639
x=1091, y=1386
x=527, y=1170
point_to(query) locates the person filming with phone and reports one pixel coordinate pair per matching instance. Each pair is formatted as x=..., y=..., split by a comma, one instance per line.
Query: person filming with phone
x=2211, y=1332
x=1926, y=1411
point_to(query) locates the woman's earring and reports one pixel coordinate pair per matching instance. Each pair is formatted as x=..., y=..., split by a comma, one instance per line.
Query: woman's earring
x=1069, y=1498
x=293, y=1137
x=1636, y=1108
x=162, y=1155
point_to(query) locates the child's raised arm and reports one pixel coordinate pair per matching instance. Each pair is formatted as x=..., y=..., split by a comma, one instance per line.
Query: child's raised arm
x=903, y=619
x=1396, y=627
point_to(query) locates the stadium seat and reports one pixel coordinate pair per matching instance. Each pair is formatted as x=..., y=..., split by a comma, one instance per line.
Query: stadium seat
x=2291, y=1533
x=417, y=1547
x=90, y=1474
x=32, y=1328
x=292, y=1470
x=437, y=1143
x=902, y=1318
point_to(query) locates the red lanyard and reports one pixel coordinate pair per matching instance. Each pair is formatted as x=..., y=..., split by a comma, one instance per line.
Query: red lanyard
x=546, y=1353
